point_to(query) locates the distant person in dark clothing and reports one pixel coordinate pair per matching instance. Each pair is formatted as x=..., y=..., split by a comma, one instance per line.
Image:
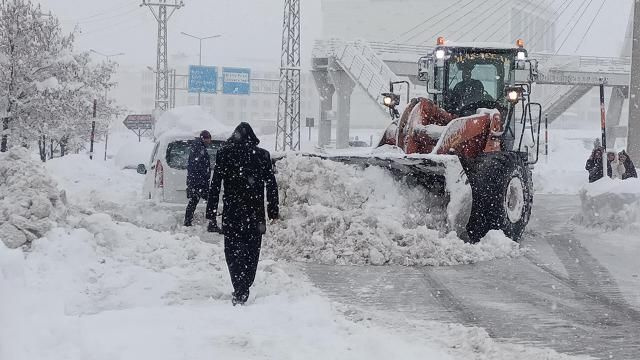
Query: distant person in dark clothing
x=244, y=170
x=594, y=165
x=198, y=174
x=629, y=167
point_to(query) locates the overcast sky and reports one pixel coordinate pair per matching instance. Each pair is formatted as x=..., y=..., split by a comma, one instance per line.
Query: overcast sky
x=251, y=29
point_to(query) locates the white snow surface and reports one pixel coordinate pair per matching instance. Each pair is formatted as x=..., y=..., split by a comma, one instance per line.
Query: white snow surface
x=30, y=203
x=95, y=287
x=334, y=213
x=190, y=120
x=611, y=204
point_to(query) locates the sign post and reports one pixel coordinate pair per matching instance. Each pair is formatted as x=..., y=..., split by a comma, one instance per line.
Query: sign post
x=203, y=79
x=603, y=129
x=236, y=81
x=139, y=124
x=310, y=124
x=93, y=129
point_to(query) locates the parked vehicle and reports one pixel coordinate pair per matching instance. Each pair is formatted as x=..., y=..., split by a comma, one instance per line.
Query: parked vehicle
x=166, y=172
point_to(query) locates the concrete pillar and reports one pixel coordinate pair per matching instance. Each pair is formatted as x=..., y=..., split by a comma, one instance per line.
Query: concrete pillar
x=344, y=88
x=633, y=135
x=326, y=91
x=614, y=112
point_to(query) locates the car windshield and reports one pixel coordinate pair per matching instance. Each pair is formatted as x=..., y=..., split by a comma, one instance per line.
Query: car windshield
x=476, y=77
x=178, y=152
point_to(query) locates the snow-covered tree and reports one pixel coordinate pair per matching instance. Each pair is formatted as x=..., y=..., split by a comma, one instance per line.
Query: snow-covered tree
x=47, y=90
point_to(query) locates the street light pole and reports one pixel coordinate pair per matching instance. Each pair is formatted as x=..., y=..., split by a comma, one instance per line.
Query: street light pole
x=200, y=54
x=106, y=92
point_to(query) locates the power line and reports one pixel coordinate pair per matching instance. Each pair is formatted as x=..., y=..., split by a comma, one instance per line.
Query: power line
x=101, y=19
x=499, y=25
x=113, y=26
x=590, y=25
x=427, y=20
x=458, y=20
x=444, y=17
x=103, y=12
x=574, y=26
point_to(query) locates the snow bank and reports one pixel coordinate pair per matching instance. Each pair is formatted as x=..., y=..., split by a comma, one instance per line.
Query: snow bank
x=30, y=202
x=116, y=290
x=333, y=213
x=611, y=204
x=190, y=120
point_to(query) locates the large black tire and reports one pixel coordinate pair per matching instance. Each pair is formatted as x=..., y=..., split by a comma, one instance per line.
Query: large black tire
x=502, y=192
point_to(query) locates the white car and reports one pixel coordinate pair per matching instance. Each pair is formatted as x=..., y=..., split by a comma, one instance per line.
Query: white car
x=166, y=172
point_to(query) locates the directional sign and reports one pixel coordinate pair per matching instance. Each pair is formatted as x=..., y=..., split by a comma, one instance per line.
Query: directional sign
x=236, y=81
x=203, y=79
x=139, y=122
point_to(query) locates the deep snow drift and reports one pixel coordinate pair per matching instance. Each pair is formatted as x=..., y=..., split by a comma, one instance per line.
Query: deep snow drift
x=30, y=203
x=334, y=213
x=611, y=204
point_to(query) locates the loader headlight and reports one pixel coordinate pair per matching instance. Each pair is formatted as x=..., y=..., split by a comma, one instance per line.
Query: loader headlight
x=440, y=54
x=521, y=56
x=390, y=100
x=514, y=94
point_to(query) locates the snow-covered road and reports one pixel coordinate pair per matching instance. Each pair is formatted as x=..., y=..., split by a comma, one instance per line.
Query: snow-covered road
x=559, y=295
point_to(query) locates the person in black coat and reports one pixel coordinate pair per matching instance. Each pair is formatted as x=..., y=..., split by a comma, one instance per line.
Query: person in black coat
x=629, y=167
x=594, y=165
x=244, y=170
x=198, y=174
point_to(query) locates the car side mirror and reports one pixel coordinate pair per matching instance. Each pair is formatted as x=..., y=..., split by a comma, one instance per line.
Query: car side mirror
x=142, y=169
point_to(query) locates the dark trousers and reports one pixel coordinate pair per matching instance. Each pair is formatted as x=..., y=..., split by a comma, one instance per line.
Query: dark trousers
x=242, y=251
x=191, y=208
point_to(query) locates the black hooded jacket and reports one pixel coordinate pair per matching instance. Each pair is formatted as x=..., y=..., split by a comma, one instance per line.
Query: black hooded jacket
x=198, y=170
x=245, y=170
x=629, y=168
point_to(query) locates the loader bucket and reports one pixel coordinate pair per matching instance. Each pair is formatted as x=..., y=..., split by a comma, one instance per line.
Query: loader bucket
x=442, y=176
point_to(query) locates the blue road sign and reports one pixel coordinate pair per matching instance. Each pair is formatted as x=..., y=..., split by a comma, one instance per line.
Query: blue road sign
x=236, y=81
x=203, y=79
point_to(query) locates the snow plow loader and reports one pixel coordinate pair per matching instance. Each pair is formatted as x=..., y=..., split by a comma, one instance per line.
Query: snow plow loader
x=471, y=141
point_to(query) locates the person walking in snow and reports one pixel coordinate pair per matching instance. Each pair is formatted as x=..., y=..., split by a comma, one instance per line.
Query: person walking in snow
x=244, y=170
x=627, y=165
x=198, y=174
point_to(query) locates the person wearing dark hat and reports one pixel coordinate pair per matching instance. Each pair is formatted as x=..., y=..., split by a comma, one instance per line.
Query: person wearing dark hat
x=245, y=170
x=198, y=174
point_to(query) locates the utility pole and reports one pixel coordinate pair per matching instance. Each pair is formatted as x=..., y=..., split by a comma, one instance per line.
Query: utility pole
x=160, y=10
x=288, y=126
x=93, y=128
x=106, y=94
x=200, y=56
x=633, y=134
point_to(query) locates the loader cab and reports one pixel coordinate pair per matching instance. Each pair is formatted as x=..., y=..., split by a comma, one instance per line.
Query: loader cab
x=464, y=78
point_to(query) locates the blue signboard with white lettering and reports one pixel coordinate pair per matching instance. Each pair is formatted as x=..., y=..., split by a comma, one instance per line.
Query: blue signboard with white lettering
x=236, y=81
x=203, y=79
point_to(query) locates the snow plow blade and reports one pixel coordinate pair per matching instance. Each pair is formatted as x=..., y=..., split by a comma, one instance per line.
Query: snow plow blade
x=442, y=176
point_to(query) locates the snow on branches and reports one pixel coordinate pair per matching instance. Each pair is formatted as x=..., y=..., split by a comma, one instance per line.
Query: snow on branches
x=47, y=89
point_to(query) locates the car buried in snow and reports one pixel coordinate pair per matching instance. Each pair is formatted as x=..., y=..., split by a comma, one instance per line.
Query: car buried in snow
x=166, y=172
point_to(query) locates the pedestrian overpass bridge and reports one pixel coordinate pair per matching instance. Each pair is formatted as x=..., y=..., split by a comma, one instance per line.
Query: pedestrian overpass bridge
x=339, y=66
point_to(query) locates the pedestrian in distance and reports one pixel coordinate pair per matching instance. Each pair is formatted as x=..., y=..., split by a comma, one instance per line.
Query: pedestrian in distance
x=198, y=174
x=627, y=165
x=244, y=171
x=594, y=164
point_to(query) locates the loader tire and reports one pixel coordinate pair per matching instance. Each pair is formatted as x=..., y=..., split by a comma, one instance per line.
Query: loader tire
x=501, y=187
